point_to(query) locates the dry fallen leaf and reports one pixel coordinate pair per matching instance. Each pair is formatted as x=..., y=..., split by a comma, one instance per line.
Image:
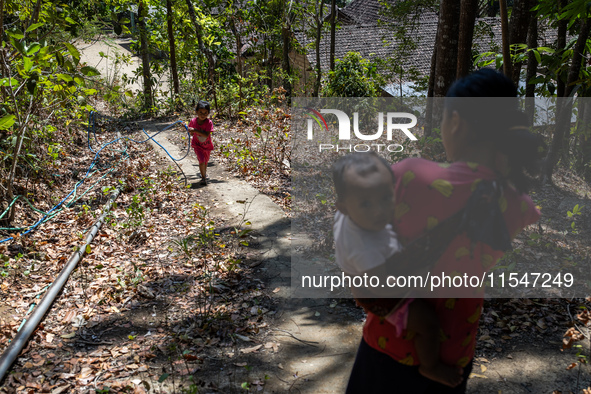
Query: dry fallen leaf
x=79, y=321
x=61, y=389
x=145, y=292
x=251, y=349
x=272, y=345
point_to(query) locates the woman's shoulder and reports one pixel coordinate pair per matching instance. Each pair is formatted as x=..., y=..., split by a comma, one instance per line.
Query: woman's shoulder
x=456, y=172
x=419, y=164
x=420, y=170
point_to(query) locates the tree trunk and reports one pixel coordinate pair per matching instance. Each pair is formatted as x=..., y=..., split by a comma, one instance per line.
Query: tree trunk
x=447, y=46
x=17, y=151
x=532, y=68
x=580, y=134
x=505, y=33
x=467, y=19
x=564, y=111
x=319, y=21
x=205, y=51
x=145, y=53
x=578, y=51
x=35, y=16
x=238, y=59
x=492, y=9
x=333, y=24
x=171, y=43
x=560, y=45
x=427, y=130
x=585, y=139
x=286, y=35
x=2, y=74
x=518, y=30
x=266, y=60
x=10, y=183
x=270, y=64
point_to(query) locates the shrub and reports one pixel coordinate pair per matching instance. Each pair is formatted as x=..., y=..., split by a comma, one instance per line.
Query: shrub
x=353, y=76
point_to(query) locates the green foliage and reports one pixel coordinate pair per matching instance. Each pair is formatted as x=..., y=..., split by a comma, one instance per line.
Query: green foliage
x=353, y=76
x=573, y=214
x=43, y=85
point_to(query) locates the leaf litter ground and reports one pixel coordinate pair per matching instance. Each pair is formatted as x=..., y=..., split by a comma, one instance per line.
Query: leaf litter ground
x=164, y=293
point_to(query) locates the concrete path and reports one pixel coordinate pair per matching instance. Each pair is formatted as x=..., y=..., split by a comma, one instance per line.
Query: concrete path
x=112, y=56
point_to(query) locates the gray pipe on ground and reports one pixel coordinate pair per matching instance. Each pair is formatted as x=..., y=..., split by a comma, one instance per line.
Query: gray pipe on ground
x=20, y=340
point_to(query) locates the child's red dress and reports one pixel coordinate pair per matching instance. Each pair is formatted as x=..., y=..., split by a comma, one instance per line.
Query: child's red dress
x=202, y=145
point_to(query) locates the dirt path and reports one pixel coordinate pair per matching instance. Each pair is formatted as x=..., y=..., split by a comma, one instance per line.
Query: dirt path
x=113, y=57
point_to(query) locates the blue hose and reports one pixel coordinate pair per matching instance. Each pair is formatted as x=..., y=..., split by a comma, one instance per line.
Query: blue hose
x=91, y=120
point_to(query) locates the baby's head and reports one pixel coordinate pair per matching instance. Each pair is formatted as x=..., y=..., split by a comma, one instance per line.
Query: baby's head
x=364, y=184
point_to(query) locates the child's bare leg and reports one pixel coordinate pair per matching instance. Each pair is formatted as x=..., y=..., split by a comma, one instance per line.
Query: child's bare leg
x=423, y=321
x=203, y=170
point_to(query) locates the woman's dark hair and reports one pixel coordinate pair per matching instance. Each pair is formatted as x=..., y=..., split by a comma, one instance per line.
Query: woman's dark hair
x=202, y=104
x=362, y=162
x=496, y=118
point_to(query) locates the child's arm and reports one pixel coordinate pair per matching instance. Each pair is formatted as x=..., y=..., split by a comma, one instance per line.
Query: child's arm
x=201, y=132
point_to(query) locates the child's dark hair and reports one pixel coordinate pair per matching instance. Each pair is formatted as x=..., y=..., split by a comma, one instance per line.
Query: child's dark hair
x=498, y=120
x=202, y=104
x=363, y=162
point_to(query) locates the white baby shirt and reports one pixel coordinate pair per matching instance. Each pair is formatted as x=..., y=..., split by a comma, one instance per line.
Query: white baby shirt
x=358, y=250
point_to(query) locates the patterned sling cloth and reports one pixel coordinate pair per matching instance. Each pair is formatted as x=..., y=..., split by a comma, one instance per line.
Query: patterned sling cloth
x=481, y=219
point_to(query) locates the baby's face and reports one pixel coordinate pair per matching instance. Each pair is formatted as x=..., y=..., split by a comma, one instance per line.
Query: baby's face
x=369, y=199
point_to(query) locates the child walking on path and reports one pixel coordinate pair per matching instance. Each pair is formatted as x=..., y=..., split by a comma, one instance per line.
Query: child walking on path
x=200, y=128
